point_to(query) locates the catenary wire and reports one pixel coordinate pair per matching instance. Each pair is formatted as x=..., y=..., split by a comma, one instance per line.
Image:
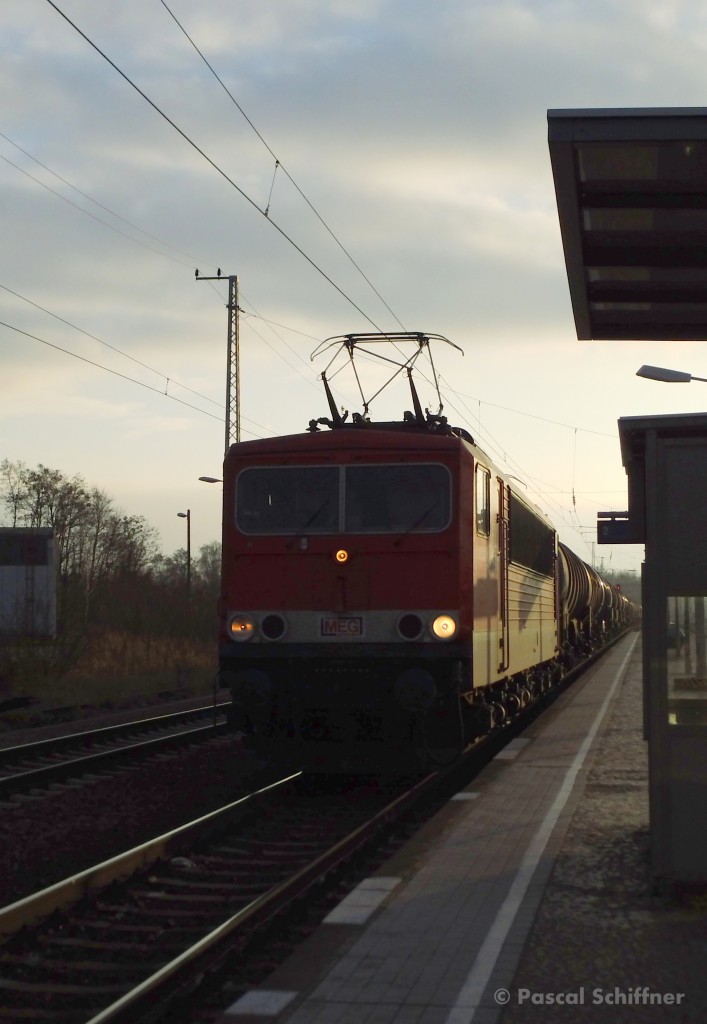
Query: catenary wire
x=542, y=490
x=88, y=213
x=213, y=164
x=530, y=415
x=280, y=166
x=167, y=377
x=112, y=227
x=130, y=238
x=115, y=373
x=192, y=259
x=113, y=348
x=219, y=170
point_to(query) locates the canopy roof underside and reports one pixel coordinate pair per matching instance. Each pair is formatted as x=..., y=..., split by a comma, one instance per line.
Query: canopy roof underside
x=631, y=189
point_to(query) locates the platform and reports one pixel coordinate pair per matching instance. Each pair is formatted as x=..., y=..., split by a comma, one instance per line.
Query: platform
x=528, y=897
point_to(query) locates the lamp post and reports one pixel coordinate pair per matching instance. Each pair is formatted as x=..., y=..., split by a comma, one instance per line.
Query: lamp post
x=667, y=376
x=680, y=377
x=187, y=515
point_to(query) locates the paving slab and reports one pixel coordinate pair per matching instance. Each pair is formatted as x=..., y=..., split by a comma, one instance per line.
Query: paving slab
x=527, y=898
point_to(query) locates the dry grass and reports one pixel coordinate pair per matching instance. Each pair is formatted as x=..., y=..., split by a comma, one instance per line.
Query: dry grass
x=106, y=669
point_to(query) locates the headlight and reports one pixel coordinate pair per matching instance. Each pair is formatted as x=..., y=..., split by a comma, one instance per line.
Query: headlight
x=241, y=627
x=444, y=627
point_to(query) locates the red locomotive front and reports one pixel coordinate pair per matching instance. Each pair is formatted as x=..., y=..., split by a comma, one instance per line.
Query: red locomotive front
x=387, y=595
x=346, y=620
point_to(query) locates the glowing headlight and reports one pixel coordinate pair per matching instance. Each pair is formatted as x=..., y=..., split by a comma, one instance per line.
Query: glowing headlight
x=241, y=627
x=444, y=627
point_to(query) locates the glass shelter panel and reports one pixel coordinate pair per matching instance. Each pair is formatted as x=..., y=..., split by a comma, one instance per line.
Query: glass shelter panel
x=686, y=657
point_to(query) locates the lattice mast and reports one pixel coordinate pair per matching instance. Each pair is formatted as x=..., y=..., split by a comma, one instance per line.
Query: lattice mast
x=233, y=361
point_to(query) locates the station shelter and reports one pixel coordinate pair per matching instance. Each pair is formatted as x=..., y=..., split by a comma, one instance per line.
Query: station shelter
x=631, y=188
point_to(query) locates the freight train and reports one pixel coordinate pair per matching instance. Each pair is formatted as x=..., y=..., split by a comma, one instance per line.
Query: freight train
x=388, y=595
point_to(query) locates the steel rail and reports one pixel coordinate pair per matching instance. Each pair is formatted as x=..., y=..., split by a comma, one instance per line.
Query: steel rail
x=212, y=948
x=105, y=732
x=62, y=895
x=182, y=973
x=43, y=775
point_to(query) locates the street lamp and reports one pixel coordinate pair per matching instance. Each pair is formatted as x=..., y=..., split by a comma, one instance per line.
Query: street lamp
x=211, y=479
x=667, y=376
x=187, y=515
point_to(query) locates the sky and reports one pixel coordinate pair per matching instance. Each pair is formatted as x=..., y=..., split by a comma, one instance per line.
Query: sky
x=360, y=165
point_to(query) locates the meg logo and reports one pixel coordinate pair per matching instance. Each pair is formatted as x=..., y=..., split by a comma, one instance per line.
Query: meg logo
x=342, y=626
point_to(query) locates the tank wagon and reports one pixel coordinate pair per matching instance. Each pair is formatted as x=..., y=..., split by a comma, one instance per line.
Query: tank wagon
x=388, y=596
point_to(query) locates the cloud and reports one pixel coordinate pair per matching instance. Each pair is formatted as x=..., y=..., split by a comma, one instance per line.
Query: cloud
x=417, y=130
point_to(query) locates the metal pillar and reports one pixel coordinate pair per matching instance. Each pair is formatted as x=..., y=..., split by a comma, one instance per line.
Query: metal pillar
x=233, y=361
x=233, y=368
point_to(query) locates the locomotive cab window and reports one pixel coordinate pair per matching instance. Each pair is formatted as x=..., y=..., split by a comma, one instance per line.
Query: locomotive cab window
x=288, y=499
x=482, y=488
x=381, y=498
x=410, y=498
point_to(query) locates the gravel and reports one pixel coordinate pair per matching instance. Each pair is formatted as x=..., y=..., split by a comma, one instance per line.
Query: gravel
x=603, y=924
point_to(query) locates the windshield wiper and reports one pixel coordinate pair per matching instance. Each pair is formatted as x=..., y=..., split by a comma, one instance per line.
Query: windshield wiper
x=420, y=519
x=309, y=522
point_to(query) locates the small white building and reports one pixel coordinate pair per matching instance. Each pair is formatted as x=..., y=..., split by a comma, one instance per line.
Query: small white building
x=28, y=567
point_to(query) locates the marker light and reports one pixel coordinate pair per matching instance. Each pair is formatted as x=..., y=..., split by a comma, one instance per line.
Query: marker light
x=341, y=556
x=444, y=627
x=241, y=627
x=273, y=626
x=410, y=626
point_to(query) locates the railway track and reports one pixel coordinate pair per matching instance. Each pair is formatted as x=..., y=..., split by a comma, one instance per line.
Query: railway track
x=134, y=933
x=123, y=940
x=33, y=766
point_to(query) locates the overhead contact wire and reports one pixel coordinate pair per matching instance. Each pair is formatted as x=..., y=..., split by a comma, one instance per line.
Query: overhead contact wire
x=94, y=201
x=279, y=164
x=213, y=164
x=124, y=376
x=107, y=369
x=107, y=344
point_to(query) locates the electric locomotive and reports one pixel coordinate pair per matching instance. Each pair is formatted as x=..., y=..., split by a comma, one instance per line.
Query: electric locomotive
x=387, y=594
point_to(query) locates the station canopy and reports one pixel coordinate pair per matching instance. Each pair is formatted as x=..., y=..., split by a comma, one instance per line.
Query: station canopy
x=631, y=190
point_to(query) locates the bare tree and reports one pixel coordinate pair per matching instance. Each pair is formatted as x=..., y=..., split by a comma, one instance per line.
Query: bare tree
x=208, y=566
x=13, y=477
x=111, y=570
x=93, y=545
